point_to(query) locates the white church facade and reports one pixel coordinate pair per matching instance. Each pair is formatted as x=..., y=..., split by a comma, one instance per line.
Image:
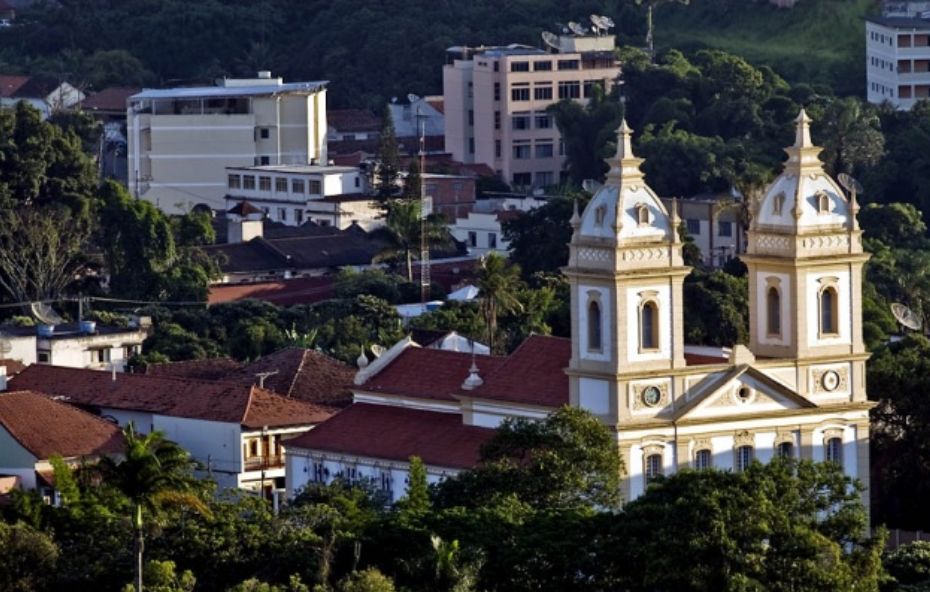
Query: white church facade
x=796, y=389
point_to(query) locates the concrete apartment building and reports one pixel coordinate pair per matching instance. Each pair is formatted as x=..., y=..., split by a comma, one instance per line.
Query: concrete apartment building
x=182, y=139
x=495, y=101
x=898, y=54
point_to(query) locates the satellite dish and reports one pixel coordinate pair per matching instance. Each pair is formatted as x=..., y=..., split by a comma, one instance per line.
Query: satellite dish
x=600, y=23
x=377, y=350
x=849, y=183
x=906, y=316
x=550, y=39
x=577, y=29
x=412, y=98
x=45, y=314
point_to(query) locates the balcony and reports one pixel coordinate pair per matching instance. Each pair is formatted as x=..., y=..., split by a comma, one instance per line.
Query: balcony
x=260, y=463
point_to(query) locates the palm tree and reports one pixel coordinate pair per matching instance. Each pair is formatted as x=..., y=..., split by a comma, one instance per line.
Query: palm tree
x=498, y=284
x=402, y=231
x=650, y=6
x=152, y=473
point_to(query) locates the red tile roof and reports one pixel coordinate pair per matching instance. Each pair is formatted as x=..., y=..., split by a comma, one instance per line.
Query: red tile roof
x=207, y=369
x=353, y=120
x=395, y=433
x=113, y=98
x=304, y=375
x=46, y=427
x=534, y=374
x=229, y=402
x=437, y=104
x=428, y=373
x=13, y=367
x=702, y=360
x=10, y=84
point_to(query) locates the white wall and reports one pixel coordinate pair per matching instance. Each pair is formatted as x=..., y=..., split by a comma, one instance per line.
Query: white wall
x=663, y=299
x=218, y=444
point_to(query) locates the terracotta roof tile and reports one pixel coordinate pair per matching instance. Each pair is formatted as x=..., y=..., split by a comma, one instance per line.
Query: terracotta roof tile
x=395, y=433
x=222, y=401
x=207, y=369
x=282, y=292
x=113, y=98
x=304, y=375
x=428, y=373
x=353, y=120
x=46, y=427
x=13, y=367
x=534, y=374
x=9, y=85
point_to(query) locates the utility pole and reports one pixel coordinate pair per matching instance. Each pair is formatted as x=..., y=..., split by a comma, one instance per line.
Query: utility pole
x=426, y=207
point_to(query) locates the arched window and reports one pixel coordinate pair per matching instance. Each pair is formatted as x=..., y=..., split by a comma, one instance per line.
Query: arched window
x=823, y=202
x=834, y=450
x=744, y=456
x=703, y=459
x=785, y=450
x=773, y=307
x=649, y=326
x=642, y=214
x=594, y=326
x=653, y=466
x=828, y=311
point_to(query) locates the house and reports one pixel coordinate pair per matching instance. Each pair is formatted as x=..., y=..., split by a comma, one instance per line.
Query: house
x=897, y=46
x=796, y=389
x=45, y=94
x=85, y=344
x=182, y=139
x=347, y=125
x=233, y=430
x=414, y=117
x=715, y=223
x=34, y=428
x=496, y=101
x=110, y=103
x=482, y=228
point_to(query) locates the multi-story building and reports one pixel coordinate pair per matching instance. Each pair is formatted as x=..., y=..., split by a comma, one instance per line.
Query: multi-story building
x=495, y=101
x=714, y=223
x=182, y=139
x=76, y=345
x=898, y=58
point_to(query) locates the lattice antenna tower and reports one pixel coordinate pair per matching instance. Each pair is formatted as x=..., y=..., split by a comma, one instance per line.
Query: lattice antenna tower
x=425, y=210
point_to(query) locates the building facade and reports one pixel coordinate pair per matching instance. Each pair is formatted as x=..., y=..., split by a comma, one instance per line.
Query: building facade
x=898, y=59
x=495, y=102
x=797, y=389
x=180, y=140
x=715, y=224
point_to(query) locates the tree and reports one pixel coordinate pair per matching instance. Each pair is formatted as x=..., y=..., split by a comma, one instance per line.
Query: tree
x=539, y=238
x=369, y=580
x=908, y=567
x=851, y=135
x=716, y=308
x=403, y=228
x=27, y=558
x=162, y=576
x=413, y=180
x=588, y=133
x=388, y=169
x=416, y=503
x=153, y=472
x=498, y=283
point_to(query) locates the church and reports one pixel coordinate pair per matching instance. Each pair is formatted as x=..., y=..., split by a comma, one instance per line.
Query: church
x=796, y=389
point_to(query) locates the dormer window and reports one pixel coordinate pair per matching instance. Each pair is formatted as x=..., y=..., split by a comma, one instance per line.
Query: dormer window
x=777, y=204
x=600, y=214
x=642, y=214
x=823, y=202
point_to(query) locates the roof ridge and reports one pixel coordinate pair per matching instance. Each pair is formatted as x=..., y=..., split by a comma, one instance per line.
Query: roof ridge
x=132, y=375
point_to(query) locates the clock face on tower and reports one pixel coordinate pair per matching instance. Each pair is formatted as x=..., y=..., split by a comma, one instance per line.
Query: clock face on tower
x=830, y=380
x=651, y=396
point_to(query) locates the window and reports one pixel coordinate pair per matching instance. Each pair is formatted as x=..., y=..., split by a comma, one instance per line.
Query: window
x=253, y=447
x=724, y=228
x=649, y=326
x=387, y=482
x=703, y=459
x=472, y=238
x=744, y=456
x=773, y=307
x=471, y=145
x=319, y=472
x=785, y=450
x=828, y=311
x=522, y=179
x=833, y=450
x=653, y=466
x=778, y=204
x=543, y=93
x=44, y=356
x=235, y=181
x=264, y=160
x=497, y=120
x=297, y=186
x=100, y=356
x=823, y=202
x=497, y=90
x=280, y=184
x=248, y=182
x=264, y=133
x=520, y=122
x=299, y=216
x=282, y=214
x=497, y=148
x=544, y=150
x=542, y=66
x=569, y=64
x=545, y=178
x=130, y=350
x=694, y=226
x=314, y=187
x=589, y=88
x=569, y=90
x=642, y=214
x=544, y=121
x=492, y=240
x=520, y=93
x=471, y=117
x=594, y=326
x=264, y=183
x=519, y=66
x=522, y=151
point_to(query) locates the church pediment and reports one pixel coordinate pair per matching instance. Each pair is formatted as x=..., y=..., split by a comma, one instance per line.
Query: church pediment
x=741, y=390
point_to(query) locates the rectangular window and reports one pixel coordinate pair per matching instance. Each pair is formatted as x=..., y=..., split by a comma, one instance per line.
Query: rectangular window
x=520, y=122
x=471, y=145
x=653, y=466
x=248, y=182
x=472, y=238
x=544, y=121
x=569, y=90
x=724, y=228
x=497, y=148
x=694, y=226
x=834, y=451
x=545, y=178
x=235, y=181
x=520, y=93
x=264, y=133
x=282, y=214
x=264, y=183
x=542, y=93
x=522, y=151
x=544, y=150
x=299, y=216
x=44, y=356
x=319, y=472
x=314, y=187
x=542, y=66
x=522, y=180
x=703, y=459
x=297, y=186
x=589, y=88
x=492, y=240
x=100, y=356
x=497, y=120
x=497, y=90
x=280, y=184
x=569, y=64
x=519, y=66
x=744, y=456
x=264, y=160
x=471, y=117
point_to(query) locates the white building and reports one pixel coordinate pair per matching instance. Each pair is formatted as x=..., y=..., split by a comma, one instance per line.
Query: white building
x=482, y=228
x=715, y=225
x=47, y=95
x=76, y=345
x=182, y=139
x=898, y=59
x=797, y=389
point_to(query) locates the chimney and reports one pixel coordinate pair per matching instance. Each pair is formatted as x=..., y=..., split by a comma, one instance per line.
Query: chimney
x=2, y=378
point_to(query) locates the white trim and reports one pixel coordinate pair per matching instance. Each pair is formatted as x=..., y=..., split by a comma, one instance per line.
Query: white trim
x=406, y=402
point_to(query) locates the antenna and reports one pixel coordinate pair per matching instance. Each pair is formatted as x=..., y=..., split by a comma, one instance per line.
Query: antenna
x=261, y=376
x=551, y=39
x=849, y=183
x=577, y=29
x=906, y=316
x=45, y=313
x=426, y=206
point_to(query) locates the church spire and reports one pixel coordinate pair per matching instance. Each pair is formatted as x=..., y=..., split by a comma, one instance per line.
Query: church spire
x=624, y=166
x=803, y=155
